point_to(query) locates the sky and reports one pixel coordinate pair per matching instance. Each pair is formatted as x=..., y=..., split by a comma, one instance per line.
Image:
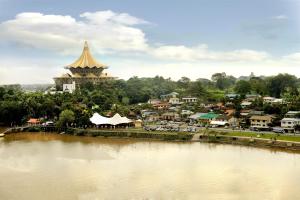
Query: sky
x=170, y=38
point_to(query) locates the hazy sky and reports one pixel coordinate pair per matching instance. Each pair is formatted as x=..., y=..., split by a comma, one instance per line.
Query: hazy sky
x=172, y=38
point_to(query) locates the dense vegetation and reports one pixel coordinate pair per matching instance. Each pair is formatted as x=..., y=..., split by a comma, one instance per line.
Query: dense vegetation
x=121, y=96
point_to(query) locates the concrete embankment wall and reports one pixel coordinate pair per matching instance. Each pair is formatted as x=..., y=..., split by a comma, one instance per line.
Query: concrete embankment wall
x=255, y=142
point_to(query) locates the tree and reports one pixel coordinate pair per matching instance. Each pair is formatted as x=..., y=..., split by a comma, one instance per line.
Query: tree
x=196, y=89
x=282, y=83
x=258, y=85
x=65, y=118
x=184, y=82
x=223, y=81
x=242, y=87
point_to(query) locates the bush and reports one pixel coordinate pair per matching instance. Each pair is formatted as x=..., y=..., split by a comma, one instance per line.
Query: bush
x=34, y=129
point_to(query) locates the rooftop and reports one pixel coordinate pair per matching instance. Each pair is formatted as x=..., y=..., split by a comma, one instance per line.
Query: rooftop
x=86, y=60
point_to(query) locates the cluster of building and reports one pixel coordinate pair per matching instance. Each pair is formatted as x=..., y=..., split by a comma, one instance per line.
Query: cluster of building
x=170, y=107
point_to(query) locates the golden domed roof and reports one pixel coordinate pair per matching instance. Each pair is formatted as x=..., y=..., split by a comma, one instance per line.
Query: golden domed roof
x=86, y=60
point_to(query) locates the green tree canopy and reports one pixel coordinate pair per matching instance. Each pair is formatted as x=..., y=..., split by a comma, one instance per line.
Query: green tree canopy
x=65, y=118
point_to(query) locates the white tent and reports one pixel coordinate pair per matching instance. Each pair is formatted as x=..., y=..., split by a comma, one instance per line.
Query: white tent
x=125, y=120
x=98, y=119
x=115, y=120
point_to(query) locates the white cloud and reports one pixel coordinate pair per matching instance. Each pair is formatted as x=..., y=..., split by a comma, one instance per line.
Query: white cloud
x=25, y=70
x=293, y=58
x=102, y=17
x=198, y=69
x=202, y=52
x=280, y=17
x=105, y=29
x=110, y=32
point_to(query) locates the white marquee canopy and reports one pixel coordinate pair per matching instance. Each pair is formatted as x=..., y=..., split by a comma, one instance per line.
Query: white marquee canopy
x=115, y=120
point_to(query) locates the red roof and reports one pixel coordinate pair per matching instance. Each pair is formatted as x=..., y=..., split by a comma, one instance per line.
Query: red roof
x=33, y=121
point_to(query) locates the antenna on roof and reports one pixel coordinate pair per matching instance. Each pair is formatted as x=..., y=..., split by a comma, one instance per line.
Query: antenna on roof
x=86, y=44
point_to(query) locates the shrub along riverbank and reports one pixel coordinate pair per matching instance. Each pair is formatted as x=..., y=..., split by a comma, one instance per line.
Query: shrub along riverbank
x=132, y=133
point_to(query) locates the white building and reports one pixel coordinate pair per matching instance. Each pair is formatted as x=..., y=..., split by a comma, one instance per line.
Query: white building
x=189, y=99
x=291, y=114
x=174, y=100
x=272, y=100
x=245, y=104
x=69, y=87
x=289, y=123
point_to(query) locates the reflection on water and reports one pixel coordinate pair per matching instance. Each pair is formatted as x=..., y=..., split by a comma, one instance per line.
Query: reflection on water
x=45, y=166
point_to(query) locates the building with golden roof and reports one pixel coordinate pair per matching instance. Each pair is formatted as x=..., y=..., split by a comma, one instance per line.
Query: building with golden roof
x=84, y=69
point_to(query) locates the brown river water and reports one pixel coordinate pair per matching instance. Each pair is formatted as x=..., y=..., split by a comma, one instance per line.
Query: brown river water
x=47, y=166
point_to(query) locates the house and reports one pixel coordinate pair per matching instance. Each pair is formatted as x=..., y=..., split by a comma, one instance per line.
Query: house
x=208, y=117
x=290, y=120
x=292, y=114
x=272, y=100
x=33, y=121
x=161, y=106
x=154, y=101
x=256, y=112
x=150, y=116
x=288, y=124
x=174, y=101
x=246, y=104
x=268, y=99
x=146, y=113
x=166, y=97
x=195, y=117
x=189, y=99
x=186, y=112
x=261, y=122
x=252, y=97
x=245, y=113
x=170, y=116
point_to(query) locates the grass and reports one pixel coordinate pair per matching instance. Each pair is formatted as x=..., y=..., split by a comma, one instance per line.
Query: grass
x=292, y=138
x=132, y=129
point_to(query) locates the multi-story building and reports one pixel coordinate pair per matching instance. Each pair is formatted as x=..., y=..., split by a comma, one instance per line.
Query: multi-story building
x=290, y=121
x=261, y=122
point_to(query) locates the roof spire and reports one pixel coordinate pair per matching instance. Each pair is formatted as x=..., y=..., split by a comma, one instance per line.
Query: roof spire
x=86, y=60
x=86, y=44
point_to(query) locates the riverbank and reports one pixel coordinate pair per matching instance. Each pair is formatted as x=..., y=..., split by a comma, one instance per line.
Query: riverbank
x=284, y=142
x=120, y=133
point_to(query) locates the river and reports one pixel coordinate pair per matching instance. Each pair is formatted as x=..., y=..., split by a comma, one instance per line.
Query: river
x=47, y=166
